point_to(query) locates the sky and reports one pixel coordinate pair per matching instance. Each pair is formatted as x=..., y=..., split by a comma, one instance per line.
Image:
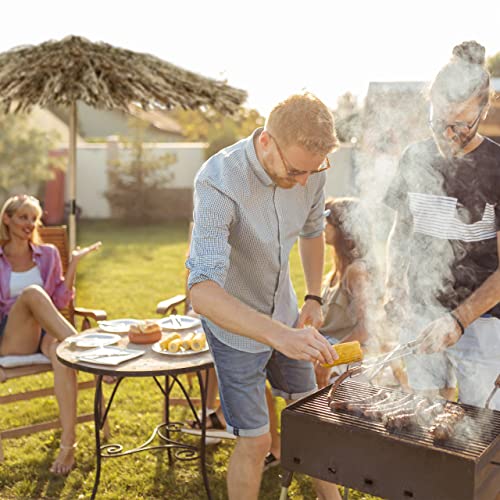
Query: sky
x=272, y=48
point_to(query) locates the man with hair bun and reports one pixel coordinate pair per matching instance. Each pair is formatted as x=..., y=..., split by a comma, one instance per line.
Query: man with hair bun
x=252, y=201
x=444, y=246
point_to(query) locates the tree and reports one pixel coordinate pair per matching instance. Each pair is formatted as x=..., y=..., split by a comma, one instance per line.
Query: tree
x=218, y=130
x=493, y=65
x=24, y=154
x=347, y=118
x=136, y=185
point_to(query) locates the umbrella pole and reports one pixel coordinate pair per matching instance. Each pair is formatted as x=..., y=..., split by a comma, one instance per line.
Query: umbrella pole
x=72, y=175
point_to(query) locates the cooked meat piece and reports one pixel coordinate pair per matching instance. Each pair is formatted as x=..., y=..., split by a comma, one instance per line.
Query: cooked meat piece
x=340, y=380
x=400, y=421
x=359, y=408
x=444, y=423
x=405, y=415
x=442, y=431
x=425, y=417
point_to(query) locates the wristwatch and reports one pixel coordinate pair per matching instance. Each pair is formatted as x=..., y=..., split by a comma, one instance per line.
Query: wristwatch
x=317, y=298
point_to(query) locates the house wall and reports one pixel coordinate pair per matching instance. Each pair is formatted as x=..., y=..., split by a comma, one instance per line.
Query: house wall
x=94, y=122
x=92, y=176
x=339, y=179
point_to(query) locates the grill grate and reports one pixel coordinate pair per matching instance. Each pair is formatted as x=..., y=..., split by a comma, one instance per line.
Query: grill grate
x=354, y=451
x=481, y=427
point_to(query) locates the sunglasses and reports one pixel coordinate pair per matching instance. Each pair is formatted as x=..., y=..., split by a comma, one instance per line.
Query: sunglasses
x=294, y=172
x=458, y=128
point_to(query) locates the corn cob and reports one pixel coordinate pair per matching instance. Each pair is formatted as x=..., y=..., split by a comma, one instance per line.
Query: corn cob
x=198, y=342
x=349, y=352
x=166, y=341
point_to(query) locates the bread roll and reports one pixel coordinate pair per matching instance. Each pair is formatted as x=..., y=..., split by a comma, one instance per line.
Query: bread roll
x=198, y=342
x=169, y=338
x=174, y=345
x=134, y=329
x=149, y=327
x=186, y=341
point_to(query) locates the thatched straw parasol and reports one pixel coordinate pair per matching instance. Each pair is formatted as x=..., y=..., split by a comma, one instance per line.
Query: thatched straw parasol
x=103, y=76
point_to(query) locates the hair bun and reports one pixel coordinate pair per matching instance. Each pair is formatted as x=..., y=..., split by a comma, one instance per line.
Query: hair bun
x=470, y=52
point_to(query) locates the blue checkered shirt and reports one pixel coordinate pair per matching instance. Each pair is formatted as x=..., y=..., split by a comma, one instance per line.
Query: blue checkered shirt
x=244, y=229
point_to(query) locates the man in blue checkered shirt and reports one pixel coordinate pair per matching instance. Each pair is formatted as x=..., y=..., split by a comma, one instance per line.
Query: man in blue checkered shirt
x=252, y=201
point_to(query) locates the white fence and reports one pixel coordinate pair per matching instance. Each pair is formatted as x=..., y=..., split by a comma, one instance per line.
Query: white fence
x=92, y=171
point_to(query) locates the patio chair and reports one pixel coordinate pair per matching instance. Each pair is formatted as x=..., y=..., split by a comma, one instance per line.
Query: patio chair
x=57, y=236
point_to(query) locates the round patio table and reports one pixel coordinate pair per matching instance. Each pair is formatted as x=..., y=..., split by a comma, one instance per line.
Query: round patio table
x=149, y=364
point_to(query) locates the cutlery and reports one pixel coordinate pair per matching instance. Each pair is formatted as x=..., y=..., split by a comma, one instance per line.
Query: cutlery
x=175, y=319
x=105, y=355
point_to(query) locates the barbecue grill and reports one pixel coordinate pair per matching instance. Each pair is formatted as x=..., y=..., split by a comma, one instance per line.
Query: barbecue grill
x=358, y=453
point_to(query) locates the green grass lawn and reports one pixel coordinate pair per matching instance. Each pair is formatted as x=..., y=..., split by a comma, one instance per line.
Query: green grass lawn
x=136, y=268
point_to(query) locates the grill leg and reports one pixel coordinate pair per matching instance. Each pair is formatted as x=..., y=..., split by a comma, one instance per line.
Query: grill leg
x=286, y=480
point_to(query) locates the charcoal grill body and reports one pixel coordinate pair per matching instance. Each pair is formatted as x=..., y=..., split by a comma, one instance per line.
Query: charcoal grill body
x=361, y=454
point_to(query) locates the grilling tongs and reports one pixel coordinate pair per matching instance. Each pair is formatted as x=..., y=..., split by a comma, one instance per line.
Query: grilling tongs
x=490, y=397
x=350, y=352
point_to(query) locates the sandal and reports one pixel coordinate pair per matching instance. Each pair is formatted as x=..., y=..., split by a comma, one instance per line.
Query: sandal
x=215, y=428
x=270, y=461
x=61, y=465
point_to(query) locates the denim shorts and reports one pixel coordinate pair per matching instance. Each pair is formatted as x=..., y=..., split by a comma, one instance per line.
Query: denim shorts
x=242, y=384
x=2, y=324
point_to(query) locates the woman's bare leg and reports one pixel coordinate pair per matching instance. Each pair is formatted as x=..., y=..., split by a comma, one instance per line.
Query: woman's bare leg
x=65, y=388
x=32, y=310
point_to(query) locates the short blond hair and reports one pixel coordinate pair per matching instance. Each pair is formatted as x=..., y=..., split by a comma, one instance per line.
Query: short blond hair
x=11, y=206
x=303, y=120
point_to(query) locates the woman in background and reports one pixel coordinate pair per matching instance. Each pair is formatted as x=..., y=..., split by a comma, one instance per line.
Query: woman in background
x=32, y=289
x=351, y=291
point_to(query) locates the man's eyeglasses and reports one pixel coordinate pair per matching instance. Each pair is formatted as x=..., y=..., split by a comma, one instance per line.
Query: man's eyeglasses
x=458, y=128
x=293, y=172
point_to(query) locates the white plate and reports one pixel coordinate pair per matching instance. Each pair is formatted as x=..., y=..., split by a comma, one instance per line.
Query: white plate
x=96, y=339
x=156, y=348
x=176, y=322
x=117, y=325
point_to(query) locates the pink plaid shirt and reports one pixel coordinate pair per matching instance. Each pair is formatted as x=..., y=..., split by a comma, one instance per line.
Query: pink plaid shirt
x=47, y=258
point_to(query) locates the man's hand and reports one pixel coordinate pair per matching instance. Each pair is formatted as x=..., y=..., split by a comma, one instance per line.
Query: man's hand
x=305, y=344
x=310, y=315
x=79, y=253
x=440, y=334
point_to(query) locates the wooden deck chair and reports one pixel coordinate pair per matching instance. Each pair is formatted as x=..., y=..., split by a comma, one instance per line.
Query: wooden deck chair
x=58, y=237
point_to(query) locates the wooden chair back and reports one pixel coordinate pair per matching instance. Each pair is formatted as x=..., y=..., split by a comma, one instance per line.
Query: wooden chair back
x=58, y=236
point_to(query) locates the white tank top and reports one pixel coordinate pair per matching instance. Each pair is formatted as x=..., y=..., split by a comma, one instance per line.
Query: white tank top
x=19, y=281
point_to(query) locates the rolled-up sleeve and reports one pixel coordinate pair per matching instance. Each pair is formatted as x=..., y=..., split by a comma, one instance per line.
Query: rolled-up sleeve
x=214, y=212
x=315, y=222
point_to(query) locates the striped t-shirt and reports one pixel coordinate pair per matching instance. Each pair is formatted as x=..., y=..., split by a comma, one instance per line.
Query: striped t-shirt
x=454, y=208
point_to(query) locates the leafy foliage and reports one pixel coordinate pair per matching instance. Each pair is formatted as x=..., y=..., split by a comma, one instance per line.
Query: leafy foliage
x=136, y=184
x=493, y=65
x=217, y=129
x=347, y=118
x=24, y=154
